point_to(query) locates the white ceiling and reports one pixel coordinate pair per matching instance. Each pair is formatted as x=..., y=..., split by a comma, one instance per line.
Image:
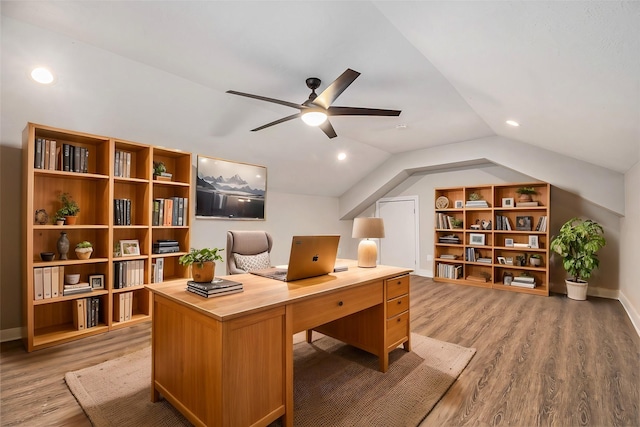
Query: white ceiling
x=569, y=72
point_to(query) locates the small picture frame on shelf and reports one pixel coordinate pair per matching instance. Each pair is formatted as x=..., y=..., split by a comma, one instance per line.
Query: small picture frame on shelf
x=533, y=242
x=130, y=247
x=459, y=204
x=476, y=239
x=523, y=223
x=509, y=260
x=502, y=260
x=508, y=202
x=508, y=243
x=96, y=281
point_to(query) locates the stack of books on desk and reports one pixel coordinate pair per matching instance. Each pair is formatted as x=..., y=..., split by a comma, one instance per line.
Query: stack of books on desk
x=216, y=288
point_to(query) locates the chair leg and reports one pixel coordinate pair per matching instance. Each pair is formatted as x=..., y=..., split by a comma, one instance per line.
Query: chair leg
x=309, y=336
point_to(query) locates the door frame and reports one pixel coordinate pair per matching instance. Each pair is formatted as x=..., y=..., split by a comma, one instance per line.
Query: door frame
x=416, y=221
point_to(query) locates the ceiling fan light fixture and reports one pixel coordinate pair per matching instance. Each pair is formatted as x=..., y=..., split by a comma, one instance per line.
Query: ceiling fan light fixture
x=314, y=117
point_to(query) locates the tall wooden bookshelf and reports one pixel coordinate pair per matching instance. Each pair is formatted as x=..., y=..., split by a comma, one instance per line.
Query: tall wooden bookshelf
x=49, y=321
x=482, y=254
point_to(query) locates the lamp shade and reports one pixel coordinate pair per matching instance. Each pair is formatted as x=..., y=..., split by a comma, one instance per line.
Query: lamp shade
x=368, y=228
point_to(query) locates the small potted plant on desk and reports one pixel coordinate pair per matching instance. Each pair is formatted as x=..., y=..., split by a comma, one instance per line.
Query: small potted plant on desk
x=69, y=209
x=577, y=244
x=84, y=250
x=202, y=262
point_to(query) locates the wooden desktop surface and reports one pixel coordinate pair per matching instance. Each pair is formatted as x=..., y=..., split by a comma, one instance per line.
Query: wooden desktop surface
x=228, y=361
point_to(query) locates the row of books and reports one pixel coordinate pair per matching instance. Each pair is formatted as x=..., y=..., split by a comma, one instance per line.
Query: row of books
x=122, y=211
x=449, y=271
x=542, y=224
x=470, y=254
x=170, y=211
x=122, y=165
x=66, y=157
x=86, y=313
x=450, y=239
x=128, y=273
x=123, y=307
x=444, y=221
x=165, y=246
x=157, y=271
x=48, y=282
x=503, y=223
x=217, y=288
x=476, y=204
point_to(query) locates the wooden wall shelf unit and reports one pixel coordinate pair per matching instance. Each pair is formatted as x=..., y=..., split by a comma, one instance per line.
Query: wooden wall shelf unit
x=111, y=170
x=480, y=253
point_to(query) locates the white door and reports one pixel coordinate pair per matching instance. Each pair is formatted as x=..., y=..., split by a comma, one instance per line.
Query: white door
x=399, y=247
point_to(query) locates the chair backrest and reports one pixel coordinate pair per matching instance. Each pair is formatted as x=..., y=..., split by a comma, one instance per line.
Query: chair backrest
x=246, y=243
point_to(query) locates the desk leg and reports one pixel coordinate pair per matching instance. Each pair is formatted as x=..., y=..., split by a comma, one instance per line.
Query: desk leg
x=309, y=336
x=288, y=367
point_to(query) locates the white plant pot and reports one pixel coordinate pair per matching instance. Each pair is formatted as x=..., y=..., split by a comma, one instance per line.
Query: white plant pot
x=577, y=290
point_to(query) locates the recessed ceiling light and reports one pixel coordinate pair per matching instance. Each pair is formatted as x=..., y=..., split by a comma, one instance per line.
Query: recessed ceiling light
x=401, y=126
x=342, y=156
x=512, y=123
x=42, y=75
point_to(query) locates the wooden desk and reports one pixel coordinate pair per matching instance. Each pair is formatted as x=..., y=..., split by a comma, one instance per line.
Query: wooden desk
x=228, y=361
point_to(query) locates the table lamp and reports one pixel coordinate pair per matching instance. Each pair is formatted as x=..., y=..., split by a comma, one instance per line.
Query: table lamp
x=367, y=228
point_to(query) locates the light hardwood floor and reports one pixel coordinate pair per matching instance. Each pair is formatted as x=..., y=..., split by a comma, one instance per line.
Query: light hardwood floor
x=540, y=362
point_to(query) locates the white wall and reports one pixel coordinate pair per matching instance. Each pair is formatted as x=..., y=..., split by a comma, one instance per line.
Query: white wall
x=630, y=236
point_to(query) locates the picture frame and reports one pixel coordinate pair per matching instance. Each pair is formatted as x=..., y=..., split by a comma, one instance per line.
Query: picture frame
x=509, y=260
x=533, y=242
x=230, y=190
x=476, y=239
x=129, y=247
x=523, y=223
x=508, y=243
x=459, y=204
x=508, y=202
x=96, y=281
x=502, y=260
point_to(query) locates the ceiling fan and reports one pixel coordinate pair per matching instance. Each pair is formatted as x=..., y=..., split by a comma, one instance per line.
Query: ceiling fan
x=314, y=111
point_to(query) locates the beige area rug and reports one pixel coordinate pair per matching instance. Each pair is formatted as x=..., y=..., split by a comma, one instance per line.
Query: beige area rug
x=335, y=385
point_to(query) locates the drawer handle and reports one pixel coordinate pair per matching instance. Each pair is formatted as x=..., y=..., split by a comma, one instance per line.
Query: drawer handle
x=340, y=303
x=399, y=302
x=399, y=283
x=399, y=319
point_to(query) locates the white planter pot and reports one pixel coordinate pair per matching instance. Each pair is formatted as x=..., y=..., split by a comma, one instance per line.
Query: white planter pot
x=577, y=290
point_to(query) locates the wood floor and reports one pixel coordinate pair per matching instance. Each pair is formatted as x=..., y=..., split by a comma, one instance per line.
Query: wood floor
x=539, y=362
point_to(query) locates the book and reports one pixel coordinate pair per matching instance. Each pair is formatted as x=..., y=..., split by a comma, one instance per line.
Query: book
x=215, y=285
x=339, y=268
x=46, y=280
x=219, y=294
x=522, y=284
x=66, y=157
x=38, y=284
x=55, y=281
x=38, y=154
x=525, y=279
x=75, y=291
x=79, y=314
x=526, y=204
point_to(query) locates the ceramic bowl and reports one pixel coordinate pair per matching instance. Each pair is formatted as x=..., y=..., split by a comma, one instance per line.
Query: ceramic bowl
x=71, y=279
x=47, y=256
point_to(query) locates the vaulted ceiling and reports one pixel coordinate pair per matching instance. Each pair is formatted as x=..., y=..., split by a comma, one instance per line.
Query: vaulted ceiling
x=569, y=72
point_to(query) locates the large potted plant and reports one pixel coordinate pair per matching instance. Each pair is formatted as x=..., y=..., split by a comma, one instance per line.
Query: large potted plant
x=202, y=262
x=69, y=209
x=577, y=244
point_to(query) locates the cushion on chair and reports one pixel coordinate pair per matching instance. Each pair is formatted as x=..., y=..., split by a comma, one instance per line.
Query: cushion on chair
x=252, y=262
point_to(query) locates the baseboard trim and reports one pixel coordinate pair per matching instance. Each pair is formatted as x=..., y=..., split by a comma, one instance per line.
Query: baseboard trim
x=11, y=334
x=603, y=293
x=631, y=312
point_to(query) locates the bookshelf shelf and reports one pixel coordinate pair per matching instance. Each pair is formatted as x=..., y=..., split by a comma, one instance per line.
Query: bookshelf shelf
x=103, y=170
x=490, y=215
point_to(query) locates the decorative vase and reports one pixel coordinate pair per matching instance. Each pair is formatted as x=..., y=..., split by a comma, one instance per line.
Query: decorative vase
x=59, y=221
x=535, y=262
x=70, y=220
x=524, y=198
x=84, y=253
x=63, y=245
x=203, y=273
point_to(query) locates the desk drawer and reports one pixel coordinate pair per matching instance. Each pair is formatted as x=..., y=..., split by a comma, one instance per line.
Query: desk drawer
x=397, y=286
x=397, y=306
x=320, y=310
x=397, y=329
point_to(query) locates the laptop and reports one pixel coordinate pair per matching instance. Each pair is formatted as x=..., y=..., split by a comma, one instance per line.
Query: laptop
x=310, y=256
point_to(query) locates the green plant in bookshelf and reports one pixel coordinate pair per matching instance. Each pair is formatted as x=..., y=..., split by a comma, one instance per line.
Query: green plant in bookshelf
x=475, y=196
x=456, y=223
x=159, y=168
x=69, y=209
x=526, y=190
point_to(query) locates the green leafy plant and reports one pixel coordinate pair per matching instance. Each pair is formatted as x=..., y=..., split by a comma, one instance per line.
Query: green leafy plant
x=159, y=168
x=577, y=243
x=84, y=244
x=456, y=223
x=526, y=190
x=69, y=206
x=475, y=196
x=536, y=256
x=199, y=256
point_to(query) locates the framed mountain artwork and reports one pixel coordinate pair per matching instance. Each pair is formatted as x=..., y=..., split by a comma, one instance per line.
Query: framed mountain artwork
x=230, y=190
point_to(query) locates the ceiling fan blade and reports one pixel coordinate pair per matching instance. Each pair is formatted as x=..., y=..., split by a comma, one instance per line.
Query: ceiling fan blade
x=264, y=98
x=328, y=129
x=333, y=91
x=277, y=122
x=357, y=111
